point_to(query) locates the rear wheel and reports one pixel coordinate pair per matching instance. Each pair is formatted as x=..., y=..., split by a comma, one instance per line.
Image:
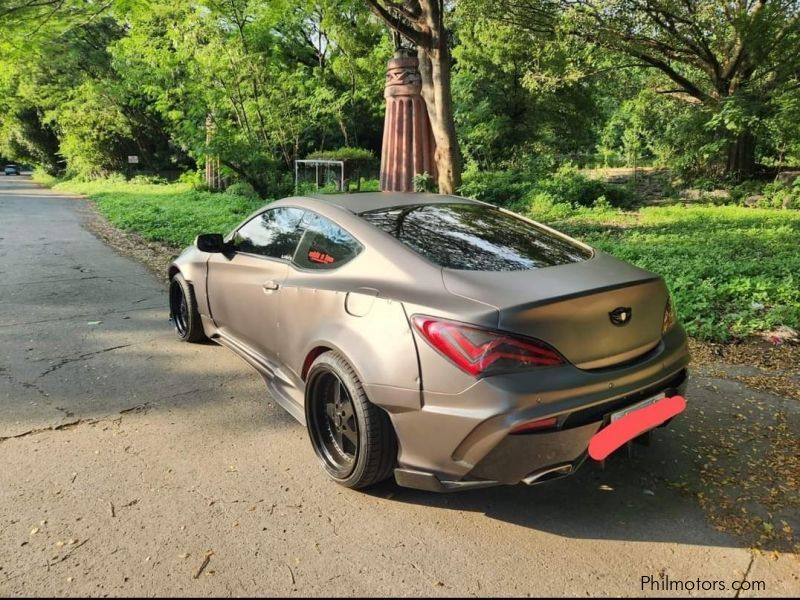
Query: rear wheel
x=183, y=311
x=352, y=437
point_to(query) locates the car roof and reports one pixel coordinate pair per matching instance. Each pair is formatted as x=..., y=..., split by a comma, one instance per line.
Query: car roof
x=362, y=202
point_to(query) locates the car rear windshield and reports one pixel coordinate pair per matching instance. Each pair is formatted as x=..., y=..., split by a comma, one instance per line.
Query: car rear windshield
x=475, y=237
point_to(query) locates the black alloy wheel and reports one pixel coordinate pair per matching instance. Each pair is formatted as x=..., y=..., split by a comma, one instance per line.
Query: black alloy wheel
x=178, y=308
x=334, y=426
x=183, y=310
x=353, y=438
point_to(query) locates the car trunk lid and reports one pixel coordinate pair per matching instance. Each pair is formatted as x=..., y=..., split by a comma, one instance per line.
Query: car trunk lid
x=570, y=307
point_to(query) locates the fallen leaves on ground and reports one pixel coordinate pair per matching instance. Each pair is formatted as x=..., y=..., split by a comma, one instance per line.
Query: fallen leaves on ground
x=778, y=366
x=752, y=352
x=750, y=479
x=749, y=458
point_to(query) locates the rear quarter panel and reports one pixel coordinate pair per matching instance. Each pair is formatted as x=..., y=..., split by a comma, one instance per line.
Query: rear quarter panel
x=370, y=331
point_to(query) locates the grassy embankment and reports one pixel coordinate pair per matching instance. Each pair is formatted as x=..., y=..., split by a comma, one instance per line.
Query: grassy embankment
x=733, y=271
x=173, y=213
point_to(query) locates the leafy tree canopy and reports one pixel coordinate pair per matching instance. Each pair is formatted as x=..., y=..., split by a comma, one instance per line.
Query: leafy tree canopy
x=709, y=87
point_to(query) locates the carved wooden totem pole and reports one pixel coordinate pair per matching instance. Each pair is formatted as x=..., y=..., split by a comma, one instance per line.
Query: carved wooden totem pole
x=408, y=144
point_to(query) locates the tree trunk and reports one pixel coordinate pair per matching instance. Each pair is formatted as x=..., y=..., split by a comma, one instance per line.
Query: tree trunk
x=742, y=156
x=434, y=67
x=422, y=23
x=212, y=162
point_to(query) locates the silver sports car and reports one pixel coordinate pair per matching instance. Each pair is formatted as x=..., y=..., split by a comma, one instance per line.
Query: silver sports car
x=443, y=340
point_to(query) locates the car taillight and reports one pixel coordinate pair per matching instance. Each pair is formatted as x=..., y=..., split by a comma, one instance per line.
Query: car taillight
x=669, y=317
x=481, y=352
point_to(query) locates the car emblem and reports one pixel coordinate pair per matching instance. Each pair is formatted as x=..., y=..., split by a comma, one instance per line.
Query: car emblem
x=620, y=316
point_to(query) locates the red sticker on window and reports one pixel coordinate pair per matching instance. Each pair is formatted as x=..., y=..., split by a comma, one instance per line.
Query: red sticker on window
x=318, y=256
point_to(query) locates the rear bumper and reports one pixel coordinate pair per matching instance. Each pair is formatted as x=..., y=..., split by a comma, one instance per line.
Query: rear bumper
x=460, y=441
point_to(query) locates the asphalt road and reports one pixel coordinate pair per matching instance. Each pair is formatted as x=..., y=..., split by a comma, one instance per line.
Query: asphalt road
x=127, y=459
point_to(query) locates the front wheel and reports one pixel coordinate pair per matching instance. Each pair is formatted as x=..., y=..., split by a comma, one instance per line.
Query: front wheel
x=352, y=437
x=183, y=311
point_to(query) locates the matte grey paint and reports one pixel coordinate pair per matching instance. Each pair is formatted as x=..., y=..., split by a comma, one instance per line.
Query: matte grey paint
x=278, y=316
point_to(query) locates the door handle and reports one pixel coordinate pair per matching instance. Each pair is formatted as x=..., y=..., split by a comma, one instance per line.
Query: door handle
x=270, y=286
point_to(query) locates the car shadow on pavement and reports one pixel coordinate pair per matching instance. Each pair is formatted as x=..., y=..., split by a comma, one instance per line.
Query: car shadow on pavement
x=592, y=504
x=96, y=365
x=649, y=497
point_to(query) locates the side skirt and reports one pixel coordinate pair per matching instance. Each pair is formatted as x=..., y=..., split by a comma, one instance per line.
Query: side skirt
x=279, y=385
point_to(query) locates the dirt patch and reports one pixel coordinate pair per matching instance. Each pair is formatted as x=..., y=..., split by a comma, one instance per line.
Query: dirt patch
x=754, y=352
x=777, y=367
x=155, y=256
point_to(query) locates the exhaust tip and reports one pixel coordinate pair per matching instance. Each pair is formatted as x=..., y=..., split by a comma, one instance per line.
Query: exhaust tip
x=548, y=473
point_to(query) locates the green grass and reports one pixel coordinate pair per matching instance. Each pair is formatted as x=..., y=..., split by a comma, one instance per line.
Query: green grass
x=173, y=213
x=732, y=271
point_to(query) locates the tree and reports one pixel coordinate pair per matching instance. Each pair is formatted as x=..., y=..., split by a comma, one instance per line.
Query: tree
x=86, y=83
x=506, y=114
x=422, y=23
x=62, y=104
x=278, y=79
x=727, y=55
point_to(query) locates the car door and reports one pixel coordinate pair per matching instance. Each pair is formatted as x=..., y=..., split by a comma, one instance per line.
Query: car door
x=316, y=295
x=244, y=285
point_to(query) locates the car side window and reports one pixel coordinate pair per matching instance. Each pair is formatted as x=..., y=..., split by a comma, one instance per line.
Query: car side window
x=273, y=233
x=324, y=244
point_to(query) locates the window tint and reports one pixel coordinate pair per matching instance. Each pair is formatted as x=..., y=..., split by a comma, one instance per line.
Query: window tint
x=273, y=233
x=324, y=244
x=475, y=237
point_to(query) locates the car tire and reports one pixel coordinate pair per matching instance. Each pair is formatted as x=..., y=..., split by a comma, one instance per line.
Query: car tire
x=183, y=311
x=354, y=462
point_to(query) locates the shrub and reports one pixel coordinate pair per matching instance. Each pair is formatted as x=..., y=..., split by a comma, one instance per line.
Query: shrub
x=569, y=185
x=113, y=178
x=541, y=206
x=87, y=177
x=423, y=182
x=148, y=179
x=746, y=189
x=279, y=184
x=705, y=184
x=193, y=179
x=43, y=177
x=602, y=204
x=306, y=188
x=779, y=194
x=501, y=188
x=344, y=153
x=243, y=189
x=370, y=185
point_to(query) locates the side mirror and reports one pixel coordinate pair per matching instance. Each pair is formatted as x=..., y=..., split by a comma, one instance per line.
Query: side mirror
x=210, y=242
